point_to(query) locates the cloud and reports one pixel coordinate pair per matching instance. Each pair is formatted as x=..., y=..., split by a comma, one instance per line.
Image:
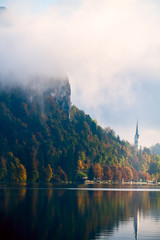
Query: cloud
x=110, y=51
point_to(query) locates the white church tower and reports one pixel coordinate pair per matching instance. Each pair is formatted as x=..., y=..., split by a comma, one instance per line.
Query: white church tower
x=136, y=137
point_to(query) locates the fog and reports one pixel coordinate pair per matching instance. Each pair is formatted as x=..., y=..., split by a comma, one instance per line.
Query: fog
x=109, y=50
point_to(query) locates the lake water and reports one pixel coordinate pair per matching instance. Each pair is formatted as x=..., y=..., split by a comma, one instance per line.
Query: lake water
x=69, y=212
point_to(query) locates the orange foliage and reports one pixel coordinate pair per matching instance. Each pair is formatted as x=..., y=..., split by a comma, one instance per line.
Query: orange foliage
x=21, y=173
x=144, y=176
x=98, y=171
x=128, y=175
x=81, y=165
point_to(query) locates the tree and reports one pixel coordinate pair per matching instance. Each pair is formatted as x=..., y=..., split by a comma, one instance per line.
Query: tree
x=16, y=170
x=155, y=176
x=98, y=171
x=147, y=151
x=12, y=176
x=117, y=173
x=34, y=175
x=156, y=149
x=62, y=174
x=135, y=174
x=144, y=176
x=48, y=173
x=108, y=175
x=128, y=174
x=90, y=173
x=3, y=169
x=80, y=165
x=21, y=173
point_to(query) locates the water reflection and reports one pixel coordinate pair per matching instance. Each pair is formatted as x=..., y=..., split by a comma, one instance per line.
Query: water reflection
x=47, y=213
x=136, y=224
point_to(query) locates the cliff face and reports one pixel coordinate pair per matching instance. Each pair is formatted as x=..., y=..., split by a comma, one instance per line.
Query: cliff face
x=59, y=90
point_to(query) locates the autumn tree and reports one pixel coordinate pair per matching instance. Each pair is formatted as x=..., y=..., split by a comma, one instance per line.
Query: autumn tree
x=117, y=173
x=98, y=171
x=16, y=170
x=21, y=173
x=48, y=173
x=128, y=175
x=108, y=175
x=145, y=176
x=80, y=165
x=135, y=174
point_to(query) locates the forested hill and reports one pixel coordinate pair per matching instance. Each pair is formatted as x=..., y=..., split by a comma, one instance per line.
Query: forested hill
x=43, y=138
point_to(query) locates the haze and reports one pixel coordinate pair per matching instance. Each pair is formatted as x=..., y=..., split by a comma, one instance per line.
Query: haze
x=108, y=49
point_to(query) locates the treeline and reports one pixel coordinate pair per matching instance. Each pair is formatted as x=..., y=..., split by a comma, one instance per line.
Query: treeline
x=39, y=141
x=113, y=173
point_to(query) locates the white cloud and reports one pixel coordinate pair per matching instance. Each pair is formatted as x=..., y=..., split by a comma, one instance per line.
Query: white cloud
x=110, y=50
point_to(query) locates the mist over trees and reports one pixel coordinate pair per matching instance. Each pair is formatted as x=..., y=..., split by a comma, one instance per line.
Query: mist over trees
x=155, y=149
x=44, y=138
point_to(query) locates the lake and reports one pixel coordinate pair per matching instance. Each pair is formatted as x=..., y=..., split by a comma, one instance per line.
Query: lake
x=79, y=212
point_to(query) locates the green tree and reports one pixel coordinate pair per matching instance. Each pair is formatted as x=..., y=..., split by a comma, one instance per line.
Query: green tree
x=91, y=173
x=34, y=175
x=61, y=174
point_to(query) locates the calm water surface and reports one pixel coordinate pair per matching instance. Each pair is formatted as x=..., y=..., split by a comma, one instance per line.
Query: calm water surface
x=69, y=212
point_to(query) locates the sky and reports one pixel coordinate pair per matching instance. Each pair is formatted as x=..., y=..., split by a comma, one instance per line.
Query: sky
x=108, y=49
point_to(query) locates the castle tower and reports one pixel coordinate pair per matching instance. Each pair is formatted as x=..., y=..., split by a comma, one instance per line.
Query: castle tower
x=136, y=137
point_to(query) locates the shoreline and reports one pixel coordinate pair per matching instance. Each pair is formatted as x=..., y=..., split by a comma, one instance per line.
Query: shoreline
x=123, y=183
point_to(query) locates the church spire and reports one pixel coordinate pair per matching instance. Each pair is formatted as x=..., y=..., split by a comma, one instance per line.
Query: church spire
x=136, y=137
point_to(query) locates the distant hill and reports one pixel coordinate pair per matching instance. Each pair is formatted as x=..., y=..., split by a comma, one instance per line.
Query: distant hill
x=155, y=149
x=44, y=138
